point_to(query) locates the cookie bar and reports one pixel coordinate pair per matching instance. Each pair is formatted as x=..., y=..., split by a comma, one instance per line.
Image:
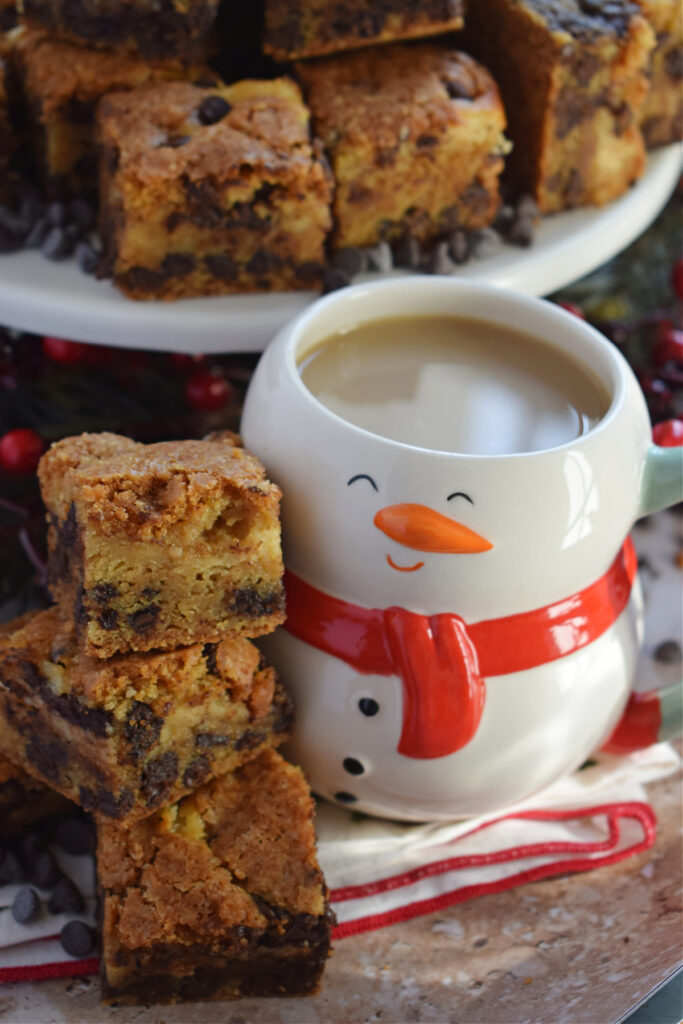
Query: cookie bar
x=173, y=29
x=662, y=114
x=217, y=896
x=23, y=800
x=574, y=106
x=415, y=136
x=123, y=736
x=62, y=83
x=161, y=545
x=311, y=28
x=207, y=191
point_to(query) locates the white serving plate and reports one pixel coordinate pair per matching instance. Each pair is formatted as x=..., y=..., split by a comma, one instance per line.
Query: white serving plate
x=56, y=298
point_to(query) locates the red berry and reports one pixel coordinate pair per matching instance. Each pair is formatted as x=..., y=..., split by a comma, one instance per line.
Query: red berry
x=182, y=362
x=20, y=450
x=677, y=278
x=67, y=352
x=571, y=307
x=206, y=390
x=668, y=434
x=669, y=346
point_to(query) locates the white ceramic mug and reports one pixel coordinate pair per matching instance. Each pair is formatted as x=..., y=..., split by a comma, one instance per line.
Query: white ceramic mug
x=475, y=682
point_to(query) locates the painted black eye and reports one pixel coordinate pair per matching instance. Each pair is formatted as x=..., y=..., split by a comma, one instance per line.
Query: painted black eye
x=460, y=494
x=362, y=476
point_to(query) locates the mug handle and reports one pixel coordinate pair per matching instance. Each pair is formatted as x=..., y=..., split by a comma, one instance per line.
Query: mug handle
x=662, y=481
x=655, y=715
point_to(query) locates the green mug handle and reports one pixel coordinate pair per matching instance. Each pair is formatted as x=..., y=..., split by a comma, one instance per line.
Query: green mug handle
x=657, y=714
x=662, y=481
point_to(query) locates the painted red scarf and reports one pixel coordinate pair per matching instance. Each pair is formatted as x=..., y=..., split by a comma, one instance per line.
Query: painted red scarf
x=443, y=662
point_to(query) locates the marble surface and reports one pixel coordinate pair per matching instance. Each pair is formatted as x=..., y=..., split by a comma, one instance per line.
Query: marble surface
x=581, y=949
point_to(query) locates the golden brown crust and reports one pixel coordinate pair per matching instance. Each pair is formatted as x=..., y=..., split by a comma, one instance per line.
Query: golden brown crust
x=193, y=869
x=408, y=130
x=140, y=490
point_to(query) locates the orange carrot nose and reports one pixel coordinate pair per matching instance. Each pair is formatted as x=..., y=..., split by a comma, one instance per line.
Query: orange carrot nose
x=423, y=529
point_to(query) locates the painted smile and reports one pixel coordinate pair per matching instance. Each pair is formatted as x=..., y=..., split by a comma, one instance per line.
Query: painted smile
x=404, y=568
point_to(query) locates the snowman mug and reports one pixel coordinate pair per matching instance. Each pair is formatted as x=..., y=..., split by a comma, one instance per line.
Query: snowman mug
x=504, y=653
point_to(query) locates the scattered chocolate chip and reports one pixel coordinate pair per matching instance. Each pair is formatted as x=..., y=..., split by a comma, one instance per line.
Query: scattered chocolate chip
x=521, y=231
x=407, y=253
x=29, y=847
x=213, y=109
x=459, y=246
x=440, y=261
x=45, y=872
x=9, y=241
x=56, y=244
x=12, y=870
x=26, y=906
x=350, y=259
x=56, y=214
x=75, y=836
x=36, y=235
x=368, y=706
x=87, y=259
x=485, y=242
x=353, y=766
x=77, y=939
x=380, y=257
x=527, y=207
x=334, y=278
x=668, y=652
x=81, y=213
x=12, y=221
x=345, y=798
x=66, y=898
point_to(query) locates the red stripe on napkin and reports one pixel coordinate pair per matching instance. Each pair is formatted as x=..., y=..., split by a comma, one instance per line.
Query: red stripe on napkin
x=61, y=969
x=640, y=812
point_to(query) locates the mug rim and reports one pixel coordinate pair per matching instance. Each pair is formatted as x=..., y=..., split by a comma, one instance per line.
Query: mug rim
x=616, y=386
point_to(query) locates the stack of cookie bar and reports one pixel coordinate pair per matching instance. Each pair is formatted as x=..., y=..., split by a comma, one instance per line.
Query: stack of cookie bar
x=140, y=696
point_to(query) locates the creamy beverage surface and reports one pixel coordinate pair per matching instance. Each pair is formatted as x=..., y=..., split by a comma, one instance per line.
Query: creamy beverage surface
x=455, y=384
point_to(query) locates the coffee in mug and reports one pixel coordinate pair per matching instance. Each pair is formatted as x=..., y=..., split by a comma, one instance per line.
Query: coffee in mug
x=455, y=384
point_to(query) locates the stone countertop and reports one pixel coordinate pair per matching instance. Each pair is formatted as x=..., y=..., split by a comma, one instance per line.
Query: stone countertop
x=580, y=949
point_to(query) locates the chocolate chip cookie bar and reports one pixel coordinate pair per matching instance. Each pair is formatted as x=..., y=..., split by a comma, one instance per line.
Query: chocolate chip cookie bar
x=163, y=545
x=217, y=896
x=175, y=28
x=122, y=737
x=573, y=77
x=23, y=800
x=415, y=136
x=62, y=83
x=662, y=114
x=311, y=28
x=206, y=191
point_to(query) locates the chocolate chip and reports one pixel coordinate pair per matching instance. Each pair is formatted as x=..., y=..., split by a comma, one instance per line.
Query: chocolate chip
x=368, y=706
x=45, y=872
x=9, y=240
x=158, y=777
x=353, y=766
x=668, y=652
x=221, y=266
x=80, y=212
x=407, y=253
x=108, y=619
x=75, y=836
x=440, y=261
x=458, y=90
x=178, y=264
x=485, y=242
x=334, y=278
x=351, y=260
x=103, y=593
x=29, y=847
x=77, y=939
x=12, y=870
x=345, y=798
x=141, y=728
x=26, y=906
x=66, y=898
x=459, y=246
x=209, y=655
x=145, y=619
x=380, y=257
x=521, y=231
x=36, y=235
x=87, y=258
x=176, y=141
x=213, y=109
x=57, y=244
x=196, y=773
x=56, y=214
